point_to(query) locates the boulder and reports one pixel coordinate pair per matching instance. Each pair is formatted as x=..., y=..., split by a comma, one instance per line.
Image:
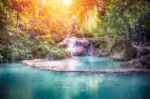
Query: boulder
x=123, y=50
x=78, y=51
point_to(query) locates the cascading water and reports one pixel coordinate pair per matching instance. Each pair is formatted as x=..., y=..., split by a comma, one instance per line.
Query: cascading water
x=90, y=50
x=78, y=46
x=71, y=45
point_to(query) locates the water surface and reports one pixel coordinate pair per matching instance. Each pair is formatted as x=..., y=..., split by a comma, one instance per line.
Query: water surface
x=18, y=81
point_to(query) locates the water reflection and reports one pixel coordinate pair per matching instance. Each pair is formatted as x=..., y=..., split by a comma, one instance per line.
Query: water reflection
x=84, y=63
x=20, y=82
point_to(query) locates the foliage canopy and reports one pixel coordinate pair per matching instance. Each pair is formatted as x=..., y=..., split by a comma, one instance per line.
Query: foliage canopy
x=26, y=24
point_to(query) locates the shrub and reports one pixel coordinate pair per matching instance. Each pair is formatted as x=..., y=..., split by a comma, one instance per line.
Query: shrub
x=49, y=51
x=12, y=53
x=19, y=54
x=100, y=44
x=57, y=53
x=46, y=38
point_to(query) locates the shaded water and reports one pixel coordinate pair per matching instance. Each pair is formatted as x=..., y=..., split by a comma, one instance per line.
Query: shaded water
x=18, y=81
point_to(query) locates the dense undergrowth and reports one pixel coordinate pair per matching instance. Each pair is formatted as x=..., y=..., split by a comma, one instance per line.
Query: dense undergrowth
x=31, y=29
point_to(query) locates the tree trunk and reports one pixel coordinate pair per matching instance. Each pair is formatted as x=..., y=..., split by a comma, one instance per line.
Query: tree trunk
x=128, y=32
x=17, y=19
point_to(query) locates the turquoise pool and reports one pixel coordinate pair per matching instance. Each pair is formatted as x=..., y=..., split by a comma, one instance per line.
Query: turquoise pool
x=18, y=81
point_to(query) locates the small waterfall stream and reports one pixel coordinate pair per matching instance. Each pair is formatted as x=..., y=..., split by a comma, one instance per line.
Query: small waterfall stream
x=71, y=45
x=78, y=46
x=90, y=49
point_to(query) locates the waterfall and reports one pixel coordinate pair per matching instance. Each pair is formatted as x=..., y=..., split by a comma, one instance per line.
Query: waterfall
x=71, y=45
x=78, y=46
x=90, y=50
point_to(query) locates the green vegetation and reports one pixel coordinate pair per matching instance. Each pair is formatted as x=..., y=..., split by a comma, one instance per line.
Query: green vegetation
x=49, y=51
x=32, y=28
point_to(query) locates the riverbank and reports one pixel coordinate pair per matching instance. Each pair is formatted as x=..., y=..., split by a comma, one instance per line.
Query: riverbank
x=46, y=65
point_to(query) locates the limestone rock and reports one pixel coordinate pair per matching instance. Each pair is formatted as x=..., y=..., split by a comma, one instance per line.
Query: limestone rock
x=76, y=46
x=78, y=51
x=142, y=62
x=123, y=50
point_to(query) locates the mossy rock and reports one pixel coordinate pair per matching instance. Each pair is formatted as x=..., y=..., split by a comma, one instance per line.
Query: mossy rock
x=123, y=50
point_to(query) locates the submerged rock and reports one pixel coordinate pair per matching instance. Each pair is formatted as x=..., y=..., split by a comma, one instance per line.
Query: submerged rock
x=142, y=62
x=123, y=50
